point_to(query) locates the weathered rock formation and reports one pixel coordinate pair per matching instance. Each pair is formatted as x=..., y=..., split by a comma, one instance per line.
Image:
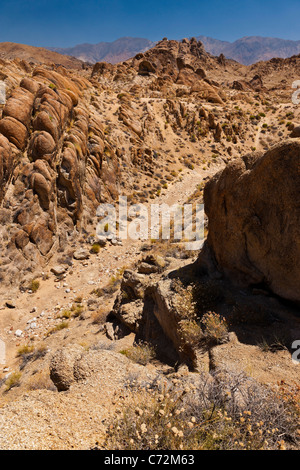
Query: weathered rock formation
x=253, y=207
x=53, y=160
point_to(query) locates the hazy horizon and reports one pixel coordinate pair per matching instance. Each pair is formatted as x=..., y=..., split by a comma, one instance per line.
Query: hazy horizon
x=144, y=38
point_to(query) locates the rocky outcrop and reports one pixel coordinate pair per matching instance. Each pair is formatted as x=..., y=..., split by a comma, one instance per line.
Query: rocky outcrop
x=73, y=365
x=54, y=159
x=8, y=158
x=70, y=140
x=295, y=134
x=253, y=211
x=14, y=131
x=169, y=63
x=62, y=367
x=146, y=306
x=180, y=60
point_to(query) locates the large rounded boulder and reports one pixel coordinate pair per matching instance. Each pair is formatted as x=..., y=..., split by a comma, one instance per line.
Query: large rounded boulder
x=253, y=207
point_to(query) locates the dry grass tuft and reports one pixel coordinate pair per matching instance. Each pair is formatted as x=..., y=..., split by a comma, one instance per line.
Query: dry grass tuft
x=141, y=353
x=13, y=380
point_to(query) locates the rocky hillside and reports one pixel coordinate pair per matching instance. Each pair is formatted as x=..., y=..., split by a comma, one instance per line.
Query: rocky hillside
x=149, y=322
x=37, y=55
x=72, y=140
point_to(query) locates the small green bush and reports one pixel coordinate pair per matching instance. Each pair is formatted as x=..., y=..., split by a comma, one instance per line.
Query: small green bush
x=96, y=248
x=34, y=285
x=13, y=381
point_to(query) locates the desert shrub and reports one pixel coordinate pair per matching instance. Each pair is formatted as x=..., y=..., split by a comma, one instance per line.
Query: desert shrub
x=112, y=286
x=29, y=353
x=99, y=317
x=197, y=327
x=40, y=351
x=66, y=314
x=183, y=301
x=24, y=350
x=274, y=343
x=114, y=282
x=141, y=353
x=60, y=326
x=263, y=420
x=34, y=285
x=13, y=381
x=191, y=332
x=290, y=395
x=26, y=353
x=215, y=328
x=96, y=248
x=148, y=422
x=224, y=412
x=99, y=292
x=77, y=310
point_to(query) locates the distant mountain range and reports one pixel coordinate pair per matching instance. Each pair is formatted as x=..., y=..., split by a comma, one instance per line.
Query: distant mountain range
x=113, y=52
x=247, y=50
x=252, y=49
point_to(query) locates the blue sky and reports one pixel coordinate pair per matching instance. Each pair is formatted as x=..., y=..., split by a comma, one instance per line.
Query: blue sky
x=67, y=23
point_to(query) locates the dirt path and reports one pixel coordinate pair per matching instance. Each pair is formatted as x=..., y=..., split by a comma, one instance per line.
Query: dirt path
x=40, y=310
